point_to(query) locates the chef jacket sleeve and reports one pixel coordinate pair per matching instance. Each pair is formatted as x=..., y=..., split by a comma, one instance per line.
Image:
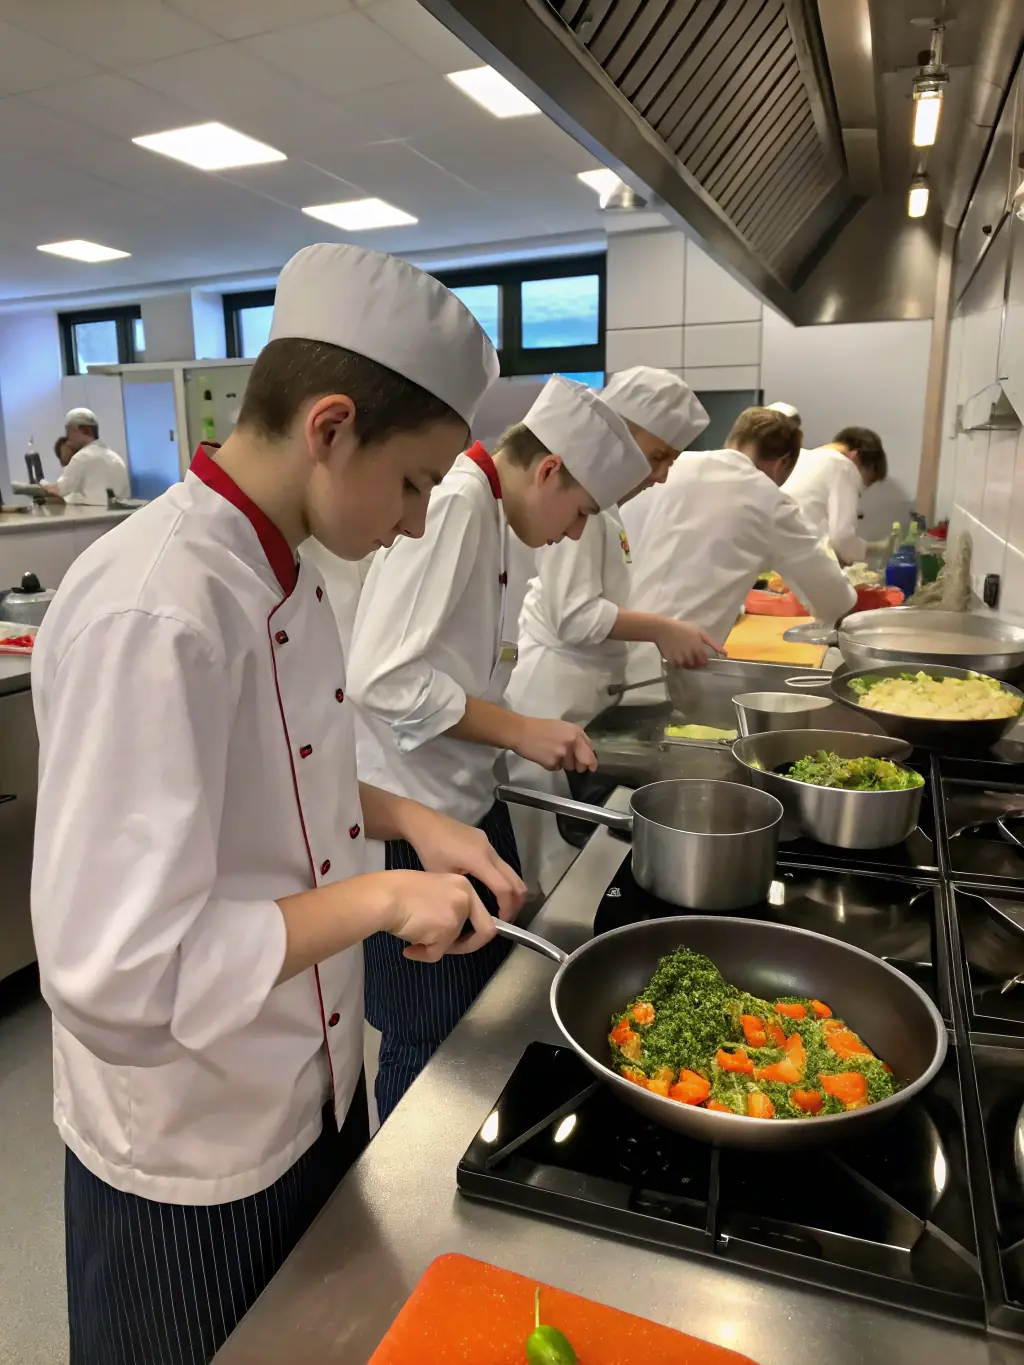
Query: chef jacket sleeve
x=141, y=956
x=571, y=584
x=72, y=479
x=407, y=605
x=801, y=559
x=843, y=509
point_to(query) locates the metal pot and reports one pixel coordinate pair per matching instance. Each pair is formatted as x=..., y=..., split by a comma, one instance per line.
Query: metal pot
x=26, y=604
x=698, y=844
x=841, y=819
x=893, y=1015
x=759, y=712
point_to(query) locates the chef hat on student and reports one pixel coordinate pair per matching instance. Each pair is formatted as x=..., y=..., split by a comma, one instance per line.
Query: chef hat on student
x=787, y=410
x=659, y=402
x=81, y=417
x=593, y=441
x=390, y=312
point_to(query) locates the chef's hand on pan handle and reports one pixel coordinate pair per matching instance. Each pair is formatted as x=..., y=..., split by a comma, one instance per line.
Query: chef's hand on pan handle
x=430, y=909
x=445, y=845
x=555, y=745
x=684, y=645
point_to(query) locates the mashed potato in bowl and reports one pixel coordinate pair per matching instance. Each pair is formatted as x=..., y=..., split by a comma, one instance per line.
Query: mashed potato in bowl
x=918, y=694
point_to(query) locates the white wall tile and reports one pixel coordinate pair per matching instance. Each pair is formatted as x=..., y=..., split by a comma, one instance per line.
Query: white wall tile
x=998, y=491
x=661, y=346
x=1015, y=530
x=723, y=343
x=646, y=275
x=723, y=377
x=712, y=295
x=971, y=465
x=1011, y=593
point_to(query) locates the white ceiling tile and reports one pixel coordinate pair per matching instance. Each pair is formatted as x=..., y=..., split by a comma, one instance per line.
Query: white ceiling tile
x=492, y=154
x=116, y=104
x=411, y=108
x=395, y=172
x=337, y=55
x=113, y=33
x=28, y=62
x=417, y=28
x=293, y=183
x=245, y=18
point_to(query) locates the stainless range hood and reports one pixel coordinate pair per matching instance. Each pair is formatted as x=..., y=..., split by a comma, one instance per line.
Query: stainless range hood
x=721, y=114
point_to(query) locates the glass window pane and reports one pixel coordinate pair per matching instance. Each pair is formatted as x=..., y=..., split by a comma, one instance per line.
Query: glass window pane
x=560, y=312
x=484, y=302
x=594, y=379
x=95, y=344
x=140, y=338
x=254, y=328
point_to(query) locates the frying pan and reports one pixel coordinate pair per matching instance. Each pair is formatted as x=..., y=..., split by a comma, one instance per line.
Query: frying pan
x=961, y=639
x=947, y=736
x=892, y=1014
x=698, y=844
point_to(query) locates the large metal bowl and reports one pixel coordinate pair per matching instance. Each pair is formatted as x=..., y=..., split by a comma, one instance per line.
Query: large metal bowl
x=914, y=635
x=841, y=819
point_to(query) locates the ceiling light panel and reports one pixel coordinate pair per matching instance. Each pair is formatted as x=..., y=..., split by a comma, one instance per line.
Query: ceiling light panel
x=603, y=181
x=210, y=147
x=927, y=108
x=79, y=250
x=359, y=215
x=497, y=95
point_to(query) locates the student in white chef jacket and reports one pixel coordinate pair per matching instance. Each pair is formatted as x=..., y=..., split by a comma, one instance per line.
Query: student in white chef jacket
x=198, y=895
x=719, y=521
x=431, y=657
x=827, y=484
x=93, y=467
x=576, y=618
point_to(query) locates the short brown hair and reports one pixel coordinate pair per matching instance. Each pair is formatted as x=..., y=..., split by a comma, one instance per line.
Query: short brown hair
x=291, y=371
x=776, y=436
x=521, y=446
x=867, y=446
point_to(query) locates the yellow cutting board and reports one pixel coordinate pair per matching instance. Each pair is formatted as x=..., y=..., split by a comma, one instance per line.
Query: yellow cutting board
x=760, y=638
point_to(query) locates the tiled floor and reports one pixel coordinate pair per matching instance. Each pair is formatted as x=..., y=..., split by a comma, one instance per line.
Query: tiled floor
x=33, y=1316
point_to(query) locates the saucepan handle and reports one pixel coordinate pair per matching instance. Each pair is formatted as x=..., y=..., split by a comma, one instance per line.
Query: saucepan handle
x=528, y=940
x=562, y=805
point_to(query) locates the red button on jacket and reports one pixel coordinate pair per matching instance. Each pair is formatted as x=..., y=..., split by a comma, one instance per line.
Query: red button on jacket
x=325, y=867
x=353, y=832
x=333, y=1020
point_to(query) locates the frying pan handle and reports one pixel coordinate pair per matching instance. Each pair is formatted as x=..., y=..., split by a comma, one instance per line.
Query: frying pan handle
x=617, y=689
x=528, y=940
x=562, y=805
x=1005, y=830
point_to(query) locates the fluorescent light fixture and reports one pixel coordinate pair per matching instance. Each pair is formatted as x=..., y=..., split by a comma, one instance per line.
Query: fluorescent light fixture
x=497, y=95
x=79, y=250
x=917, y=200
x=927, y=108
x=357, y=215
x=210, y=147
x=603, y=181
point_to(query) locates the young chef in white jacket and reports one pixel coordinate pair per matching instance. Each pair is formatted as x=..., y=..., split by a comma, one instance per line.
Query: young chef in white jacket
x=827, y=483
x=431, y=658
x=722, y=518
x=198, y=892
x=576, y=617
x=93, y=467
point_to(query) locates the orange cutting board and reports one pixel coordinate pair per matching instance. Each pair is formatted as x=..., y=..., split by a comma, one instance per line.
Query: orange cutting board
x=760, y=637
x=466, y=1312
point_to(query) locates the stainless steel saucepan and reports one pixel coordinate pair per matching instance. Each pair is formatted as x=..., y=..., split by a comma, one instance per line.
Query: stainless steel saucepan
x=698, y=844
x=842, y=819
x=889, y=1011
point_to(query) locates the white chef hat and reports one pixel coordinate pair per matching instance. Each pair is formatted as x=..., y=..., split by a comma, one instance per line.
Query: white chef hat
x=390, y=312
x=81, y=417
x=593, y=441
x=787, y=410
x=658, y=401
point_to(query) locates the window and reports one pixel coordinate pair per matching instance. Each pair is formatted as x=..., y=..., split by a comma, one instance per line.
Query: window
x=101, y=336
x=543, y=316
x=247, y=322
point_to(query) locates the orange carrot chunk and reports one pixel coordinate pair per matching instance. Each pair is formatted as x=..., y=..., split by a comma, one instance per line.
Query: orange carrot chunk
x=753, y=1030
x=820, y=1011
x=775, y=1033
x=791, y=1011
x=621, y=1033
x=691, y=1088
x=637, y=1077
x=759, y=1106
x=657, y=1087
x=737, y=1061
x=848, y=1086
x=810, y=1101
x=786, y=1071
x=718, y=1107
x=643, y=1013
x=845, y=1044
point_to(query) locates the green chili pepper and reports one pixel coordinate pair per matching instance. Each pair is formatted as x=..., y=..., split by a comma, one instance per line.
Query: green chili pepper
x=547, y=1345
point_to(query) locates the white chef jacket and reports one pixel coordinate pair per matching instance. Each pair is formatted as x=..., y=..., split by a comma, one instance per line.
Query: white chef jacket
x=714, y=525
x=429, y=634
x=826, y=486
x=90, y=472
x=197, y=763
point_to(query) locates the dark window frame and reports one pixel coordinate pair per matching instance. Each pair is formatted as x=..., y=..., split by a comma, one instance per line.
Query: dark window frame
x=234, y=304
x=515, y=358
x=125, y=316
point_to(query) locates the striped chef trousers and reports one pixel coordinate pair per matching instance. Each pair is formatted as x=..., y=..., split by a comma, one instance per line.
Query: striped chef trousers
x=164, y=1284
x=415, y=1005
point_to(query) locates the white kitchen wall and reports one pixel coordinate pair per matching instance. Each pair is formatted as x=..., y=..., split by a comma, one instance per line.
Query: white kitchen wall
x=31, y=370
x=867, y=374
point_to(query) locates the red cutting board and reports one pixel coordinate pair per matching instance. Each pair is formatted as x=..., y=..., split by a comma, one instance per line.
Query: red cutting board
x=466, y=1312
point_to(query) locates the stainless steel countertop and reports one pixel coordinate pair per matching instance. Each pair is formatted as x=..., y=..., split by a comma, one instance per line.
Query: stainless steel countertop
x=15, y=673
x=57, y=517
x=399, y=1208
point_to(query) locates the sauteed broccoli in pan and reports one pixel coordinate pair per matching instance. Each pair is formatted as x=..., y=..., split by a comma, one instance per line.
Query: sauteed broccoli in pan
x=694, y=1038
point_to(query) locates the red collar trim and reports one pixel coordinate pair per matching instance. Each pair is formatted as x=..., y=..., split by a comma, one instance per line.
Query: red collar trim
x=275, y=547
x=478, y=454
